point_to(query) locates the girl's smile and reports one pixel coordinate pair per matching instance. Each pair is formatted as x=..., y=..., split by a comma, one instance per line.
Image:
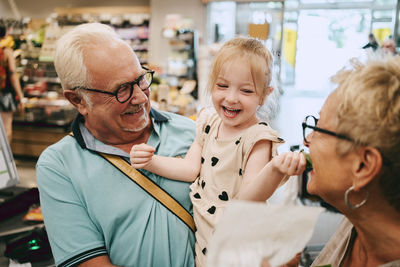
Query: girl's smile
x=234, y=95
x=230, y=112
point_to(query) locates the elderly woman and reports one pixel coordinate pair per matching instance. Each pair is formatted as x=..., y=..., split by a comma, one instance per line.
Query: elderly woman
x=355, y=150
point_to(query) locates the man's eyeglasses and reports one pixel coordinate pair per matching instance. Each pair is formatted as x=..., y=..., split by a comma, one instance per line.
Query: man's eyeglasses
x=124, y=92
x=309, y=125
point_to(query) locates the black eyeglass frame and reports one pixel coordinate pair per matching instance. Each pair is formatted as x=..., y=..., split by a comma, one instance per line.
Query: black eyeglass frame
x=386, y=161
x=315, y=128
x=115, y=93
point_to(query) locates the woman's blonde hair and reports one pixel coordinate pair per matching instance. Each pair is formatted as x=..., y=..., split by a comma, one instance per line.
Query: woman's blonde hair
x=259, y=59
x=369, y=112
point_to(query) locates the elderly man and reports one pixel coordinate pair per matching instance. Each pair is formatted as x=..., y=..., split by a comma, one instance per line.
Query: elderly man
x=95, y=215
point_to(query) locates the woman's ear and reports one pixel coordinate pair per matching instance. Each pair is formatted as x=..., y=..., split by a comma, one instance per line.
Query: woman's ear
x=77, y=100
x=367, y=165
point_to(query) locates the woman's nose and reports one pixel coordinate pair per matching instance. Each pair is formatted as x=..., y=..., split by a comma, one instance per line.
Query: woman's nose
x=305, y=143
x=307, y=139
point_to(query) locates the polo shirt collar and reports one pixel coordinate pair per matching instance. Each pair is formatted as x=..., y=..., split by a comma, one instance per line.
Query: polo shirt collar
x=158, y=117
x=154, y=114
x=77, y=131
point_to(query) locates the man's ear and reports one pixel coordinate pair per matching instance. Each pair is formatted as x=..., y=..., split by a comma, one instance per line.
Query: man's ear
x=77, y=100
x=367, y=165
x=269, y=90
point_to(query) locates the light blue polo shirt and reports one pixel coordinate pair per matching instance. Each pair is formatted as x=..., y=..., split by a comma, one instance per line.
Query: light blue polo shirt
x=90, y=208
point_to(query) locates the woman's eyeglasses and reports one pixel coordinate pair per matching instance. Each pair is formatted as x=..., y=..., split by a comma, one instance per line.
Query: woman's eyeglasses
x=309, y=125
x=124, y=92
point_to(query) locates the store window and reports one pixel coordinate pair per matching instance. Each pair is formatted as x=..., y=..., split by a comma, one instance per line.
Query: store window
x=221, y=22
x=334, y=1
x=310, y=39
x=327, y=40
x=385, y=2
x=262, y=20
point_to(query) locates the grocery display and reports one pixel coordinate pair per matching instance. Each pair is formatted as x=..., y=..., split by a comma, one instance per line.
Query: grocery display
x=182, y=60
x=47, y=112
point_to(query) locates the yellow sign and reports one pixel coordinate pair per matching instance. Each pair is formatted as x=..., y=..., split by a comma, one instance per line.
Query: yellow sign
x=259, y=31
x=289, y=46
x=381, y=34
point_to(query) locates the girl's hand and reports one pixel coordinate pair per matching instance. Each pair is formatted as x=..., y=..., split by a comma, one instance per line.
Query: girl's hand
x=141, y=155
x=290, y=163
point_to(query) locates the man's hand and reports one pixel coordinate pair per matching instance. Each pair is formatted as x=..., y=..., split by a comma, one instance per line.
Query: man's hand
x=141, y=155
x=290, y=163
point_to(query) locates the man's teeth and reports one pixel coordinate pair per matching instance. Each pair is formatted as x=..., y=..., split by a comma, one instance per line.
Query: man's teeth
x=133, y=111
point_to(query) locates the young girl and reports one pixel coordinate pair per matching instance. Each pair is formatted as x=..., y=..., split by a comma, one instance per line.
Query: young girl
x=234, y=155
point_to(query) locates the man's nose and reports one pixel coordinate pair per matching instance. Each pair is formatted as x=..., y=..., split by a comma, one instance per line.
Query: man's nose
x=138, y=96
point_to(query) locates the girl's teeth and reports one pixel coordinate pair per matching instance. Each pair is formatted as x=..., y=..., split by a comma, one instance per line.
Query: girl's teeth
x=231, y=112
x=232, y=109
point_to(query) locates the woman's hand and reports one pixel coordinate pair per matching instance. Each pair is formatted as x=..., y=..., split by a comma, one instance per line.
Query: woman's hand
x=141, y=155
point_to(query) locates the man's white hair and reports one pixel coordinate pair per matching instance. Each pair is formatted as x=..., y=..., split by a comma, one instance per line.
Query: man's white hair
x=70, y=50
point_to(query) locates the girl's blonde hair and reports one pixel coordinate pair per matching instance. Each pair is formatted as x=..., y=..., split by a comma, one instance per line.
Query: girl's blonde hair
x=369, y=112
x=258, y=57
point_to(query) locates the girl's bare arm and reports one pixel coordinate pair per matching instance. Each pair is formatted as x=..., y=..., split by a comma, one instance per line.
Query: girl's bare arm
x=182, y=169
x=263, y=175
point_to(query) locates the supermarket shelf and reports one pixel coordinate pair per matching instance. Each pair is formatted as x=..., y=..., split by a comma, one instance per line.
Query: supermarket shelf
x=30, y=139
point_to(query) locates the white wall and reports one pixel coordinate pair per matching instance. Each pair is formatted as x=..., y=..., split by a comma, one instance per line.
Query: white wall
x=195, y=9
